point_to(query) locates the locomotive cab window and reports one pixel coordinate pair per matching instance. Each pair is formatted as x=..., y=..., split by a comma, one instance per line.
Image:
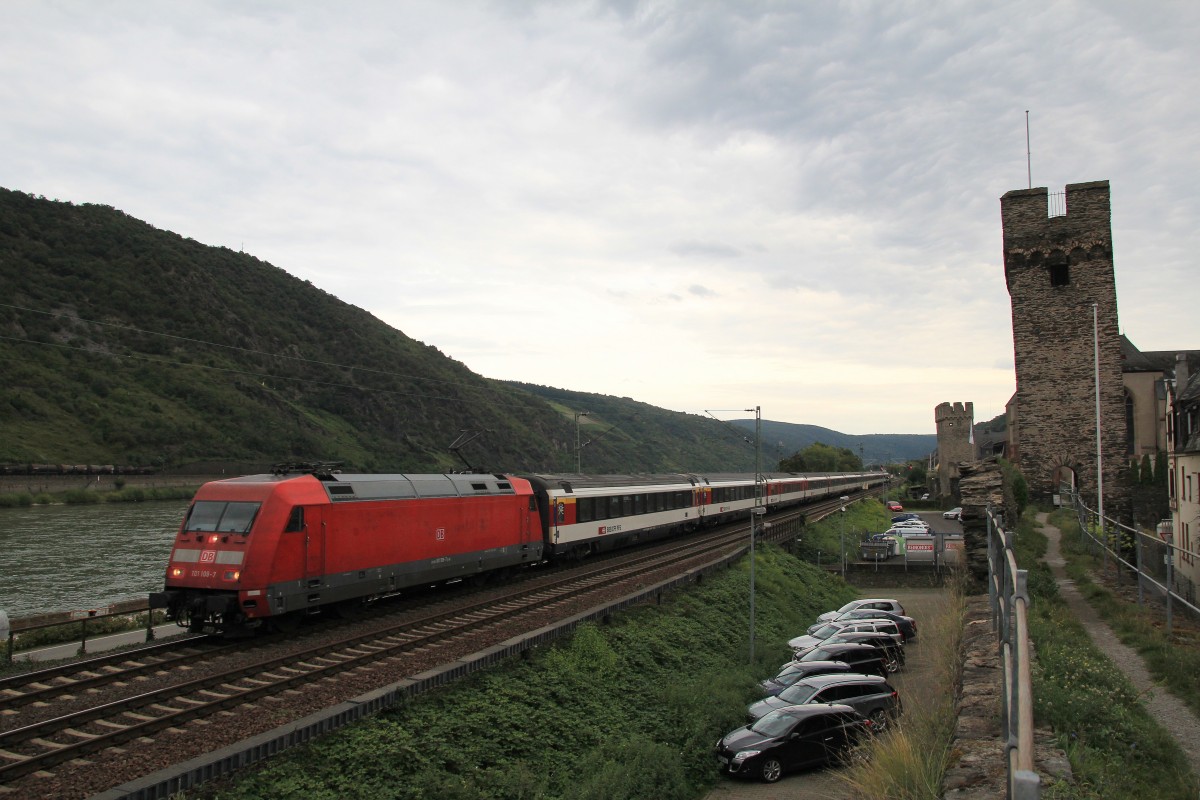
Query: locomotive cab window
x=217, y=517
x=295, y=521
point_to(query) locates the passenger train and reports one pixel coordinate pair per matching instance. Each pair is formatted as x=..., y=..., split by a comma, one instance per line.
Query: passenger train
x=272, y=548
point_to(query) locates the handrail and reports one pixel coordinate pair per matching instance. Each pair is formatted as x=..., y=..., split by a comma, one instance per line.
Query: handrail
x=19, y=625
x=1008, y=596
x=1162, y=553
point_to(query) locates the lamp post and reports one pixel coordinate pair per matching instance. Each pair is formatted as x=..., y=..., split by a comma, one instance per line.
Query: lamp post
x=842, y=530
x=758, y=510
x=759, y=507
x=578, y=446
x=1099, y=450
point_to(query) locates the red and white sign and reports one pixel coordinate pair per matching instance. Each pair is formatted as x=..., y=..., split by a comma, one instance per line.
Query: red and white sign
x=924, y=547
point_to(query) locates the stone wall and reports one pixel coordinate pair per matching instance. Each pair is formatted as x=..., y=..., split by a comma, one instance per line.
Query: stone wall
x=1056, y=268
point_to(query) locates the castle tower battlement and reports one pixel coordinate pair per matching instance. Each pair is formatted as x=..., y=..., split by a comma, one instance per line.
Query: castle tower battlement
x=1059, y=272
x=954, y=422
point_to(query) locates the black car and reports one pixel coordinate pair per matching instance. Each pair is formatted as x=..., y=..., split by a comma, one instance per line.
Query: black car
x=893, y=650
x=859, y=657
x=791, y=738
x=869, y=695
x=907, y=625
x=794, y=671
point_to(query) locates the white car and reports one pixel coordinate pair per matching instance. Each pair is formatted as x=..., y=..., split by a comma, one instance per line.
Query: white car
x=954, y=513
x=873, y=603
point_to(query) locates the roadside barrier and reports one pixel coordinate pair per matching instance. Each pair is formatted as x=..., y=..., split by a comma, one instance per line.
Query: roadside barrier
x=1009, y=599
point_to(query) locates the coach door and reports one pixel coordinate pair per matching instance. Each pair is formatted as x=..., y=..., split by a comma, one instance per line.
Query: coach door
x=314, y=544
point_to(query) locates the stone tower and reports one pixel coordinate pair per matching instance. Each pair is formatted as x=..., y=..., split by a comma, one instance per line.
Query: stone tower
x=954, y=445
x=1057, y=269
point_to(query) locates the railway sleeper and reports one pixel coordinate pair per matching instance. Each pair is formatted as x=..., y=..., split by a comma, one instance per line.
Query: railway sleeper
x=49, y=745
x=87, y=737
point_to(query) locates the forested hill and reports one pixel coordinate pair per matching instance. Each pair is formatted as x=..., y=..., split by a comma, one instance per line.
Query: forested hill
x=124, y=344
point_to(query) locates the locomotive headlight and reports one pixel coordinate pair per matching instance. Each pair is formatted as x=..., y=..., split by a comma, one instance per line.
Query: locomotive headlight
x=177, y=572
x=213, y=539
x=232, y=575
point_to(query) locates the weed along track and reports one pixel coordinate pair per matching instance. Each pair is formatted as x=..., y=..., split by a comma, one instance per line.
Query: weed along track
x=74, y=733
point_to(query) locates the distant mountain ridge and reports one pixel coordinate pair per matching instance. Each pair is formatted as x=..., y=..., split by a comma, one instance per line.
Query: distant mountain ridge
x=124, y=344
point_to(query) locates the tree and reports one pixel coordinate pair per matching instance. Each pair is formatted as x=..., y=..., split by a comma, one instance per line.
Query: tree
x=820, y=457
x=1147, y=471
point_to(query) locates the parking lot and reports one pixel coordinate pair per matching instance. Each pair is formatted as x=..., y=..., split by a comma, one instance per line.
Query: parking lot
x=914, y=684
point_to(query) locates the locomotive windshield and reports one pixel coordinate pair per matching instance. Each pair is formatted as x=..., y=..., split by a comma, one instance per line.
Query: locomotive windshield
x=217, y=517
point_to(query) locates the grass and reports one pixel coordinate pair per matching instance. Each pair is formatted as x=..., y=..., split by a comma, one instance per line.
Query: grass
x=909, y=761
x=627, y=710
x=1116, y=749
x=1173, y=660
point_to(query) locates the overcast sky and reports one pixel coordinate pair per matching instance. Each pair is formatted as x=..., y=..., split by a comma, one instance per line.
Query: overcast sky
x=699, y=205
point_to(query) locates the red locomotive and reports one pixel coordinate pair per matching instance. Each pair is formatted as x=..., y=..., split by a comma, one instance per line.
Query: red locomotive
x=276, y=547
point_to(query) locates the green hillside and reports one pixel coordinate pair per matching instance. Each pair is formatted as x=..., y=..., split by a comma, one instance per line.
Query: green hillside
x=124, y=344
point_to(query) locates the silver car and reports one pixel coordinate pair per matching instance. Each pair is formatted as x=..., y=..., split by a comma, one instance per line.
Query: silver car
x=874, y=603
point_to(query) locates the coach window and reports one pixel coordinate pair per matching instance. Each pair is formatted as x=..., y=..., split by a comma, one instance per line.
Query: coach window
x=583, y=509
x=295, y=521
x=614, y=507
x=626, y=505
x=639, y=504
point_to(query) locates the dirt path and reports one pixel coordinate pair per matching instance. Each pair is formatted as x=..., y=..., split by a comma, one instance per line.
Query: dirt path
x=1171, y=713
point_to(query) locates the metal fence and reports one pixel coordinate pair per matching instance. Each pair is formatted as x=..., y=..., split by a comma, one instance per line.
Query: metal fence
x=1148, y=558
x=1009, y=598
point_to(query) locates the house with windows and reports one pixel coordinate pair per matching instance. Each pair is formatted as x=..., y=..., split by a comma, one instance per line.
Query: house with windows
x=1183, y=481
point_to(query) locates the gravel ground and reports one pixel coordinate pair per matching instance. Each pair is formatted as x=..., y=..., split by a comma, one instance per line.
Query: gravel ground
x=1171, y=713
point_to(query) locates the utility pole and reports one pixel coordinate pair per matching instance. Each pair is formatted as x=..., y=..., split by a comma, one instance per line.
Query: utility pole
x=578, y=446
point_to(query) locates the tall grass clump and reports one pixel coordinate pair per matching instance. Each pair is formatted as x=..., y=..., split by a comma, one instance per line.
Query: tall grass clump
x=626, y=710
x=909, y=760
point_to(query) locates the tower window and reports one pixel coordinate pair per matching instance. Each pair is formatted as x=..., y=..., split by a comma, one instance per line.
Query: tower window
x=1060, y=275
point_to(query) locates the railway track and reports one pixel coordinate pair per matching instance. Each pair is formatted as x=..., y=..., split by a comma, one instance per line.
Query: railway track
x=80, y=734
x=59, y=730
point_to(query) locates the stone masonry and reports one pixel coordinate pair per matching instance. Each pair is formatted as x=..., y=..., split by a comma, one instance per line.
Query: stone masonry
x=954, y=422
x=1056, y=268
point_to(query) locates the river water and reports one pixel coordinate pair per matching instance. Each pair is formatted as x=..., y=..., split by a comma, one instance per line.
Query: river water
x=76, y=557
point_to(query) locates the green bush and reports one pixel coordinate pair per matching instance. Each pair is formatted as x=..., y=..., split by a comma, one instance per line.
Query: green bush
x=16, y=500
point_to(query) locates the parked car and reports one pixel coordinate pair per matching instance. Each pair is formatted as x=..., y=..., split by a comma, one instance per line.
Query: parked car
x=791, y=738
x=861, y=657
x=870, y=603
x=902, y=517
x=795, y=671
x=894, y=657
x=869, y=695
x=892, y=505
x=886, y=627
x=954, y=513
x=883, y=627
x=892, y=650
x=907, y=625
